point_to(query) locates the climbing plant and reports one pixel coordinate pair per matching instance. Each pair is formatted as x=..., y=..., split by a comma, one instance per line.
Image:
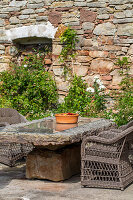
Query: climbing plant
x=68, y=40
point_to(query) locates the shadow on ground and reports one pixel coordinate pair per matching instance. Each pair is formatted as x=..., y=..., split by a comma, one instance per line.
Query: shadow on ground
x=7, y=174
x=14, y=186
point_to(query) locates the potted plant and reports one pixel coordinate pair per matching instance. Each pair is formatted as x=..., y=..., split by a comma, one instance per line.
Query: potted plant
x=67, y=118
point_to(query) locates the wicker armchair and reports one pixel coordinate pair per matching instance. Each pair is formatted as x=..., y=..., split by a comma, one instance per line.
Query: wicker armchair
x=104, y=159
x=11, y=153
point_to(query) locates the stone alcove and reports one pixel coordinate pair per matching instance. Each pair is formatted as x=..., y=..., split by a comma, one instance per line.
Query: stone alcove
x=26, y=39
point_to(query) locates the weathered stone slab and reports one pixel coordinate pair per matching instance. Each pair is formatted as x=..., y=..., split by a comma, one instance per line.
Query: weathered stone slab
x=55, y=140
x=125, y=29
x=47, y=31
x=105, y=29
x=53, y=165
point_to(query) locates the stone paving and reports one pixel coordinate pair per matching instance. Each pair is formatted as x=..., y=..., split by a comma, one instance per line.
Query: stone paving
x=14, y=186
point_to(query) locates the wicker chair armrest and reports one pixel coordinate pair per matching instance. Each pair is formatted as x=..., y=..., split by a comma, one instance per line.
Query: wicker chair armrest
x=2, y=124
x=113, y=140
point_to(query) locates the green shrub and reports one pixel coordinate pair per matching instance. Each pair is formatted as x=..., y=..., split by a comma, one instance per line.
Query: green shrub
x=28, y=88
x=86, y=101
x=124, y=98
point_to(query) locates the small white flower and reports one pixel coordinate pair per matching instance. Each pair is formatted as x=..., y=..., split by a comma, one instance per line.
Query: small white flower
x=96, y=77
x=98, y=82
x=90, y=89
x=25, y=65
x=102, y=87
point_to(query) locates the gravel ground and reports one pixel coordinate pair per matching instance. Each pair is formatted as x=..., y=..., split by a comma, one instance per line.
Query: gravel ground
x=14, y=186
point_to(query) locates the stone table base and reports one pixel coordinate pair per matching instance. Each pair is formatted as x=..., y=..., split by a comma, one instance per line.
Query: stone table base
x=53, y=165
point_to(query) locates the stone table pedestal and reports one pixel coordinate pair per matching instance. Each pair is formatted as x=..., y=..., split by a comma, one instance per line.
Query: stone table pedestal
x=53, y=165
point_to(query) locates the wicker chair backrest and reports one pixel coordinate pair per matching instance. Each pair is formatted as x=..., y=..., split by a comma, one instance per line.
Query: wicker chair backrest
x=116, y=136
x=10, y=116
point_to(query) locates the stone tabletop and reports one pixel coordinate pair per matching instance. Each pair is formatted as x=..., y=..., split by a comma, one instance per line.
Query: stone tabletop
x=56, y=139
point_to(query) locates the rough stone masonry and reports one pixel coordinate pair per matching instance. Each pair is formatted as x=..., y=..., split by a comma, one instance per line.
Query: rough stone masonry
x=104, y=28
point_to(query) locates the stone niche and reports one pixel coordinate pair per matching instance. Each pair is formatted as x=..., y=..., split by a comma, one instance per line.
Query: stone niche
x=27, y=38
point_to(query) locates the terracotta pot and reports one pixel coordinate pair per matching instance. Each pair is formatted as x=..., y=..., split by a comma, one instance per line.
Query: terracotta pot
x=62, y=127
x=64, y=118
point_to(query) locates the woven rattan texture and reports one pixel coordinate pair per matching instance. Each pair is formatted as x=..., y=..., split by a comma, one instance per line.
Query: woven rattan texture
x=105, y=159
x=11, y=153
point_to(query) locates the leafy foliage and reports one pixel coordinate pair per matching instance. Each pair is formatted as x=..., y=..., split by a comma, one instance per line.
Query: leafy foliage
x=68, y=39
x=124, y=100
x=28, y=88
x=82, y=101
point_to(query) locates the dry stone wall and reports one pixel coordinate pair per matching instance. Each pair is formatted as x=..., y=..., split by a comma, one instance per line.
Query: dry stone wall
x=104, y=28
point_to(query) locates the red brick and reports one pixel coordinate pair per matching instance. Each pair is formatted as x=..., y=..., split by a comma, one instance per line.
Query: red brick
x=55, y=17
x=87, y=15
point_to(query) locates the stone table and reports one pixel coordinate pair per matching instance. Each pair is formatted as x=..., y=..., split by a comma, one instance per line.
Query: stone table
x=56, y=154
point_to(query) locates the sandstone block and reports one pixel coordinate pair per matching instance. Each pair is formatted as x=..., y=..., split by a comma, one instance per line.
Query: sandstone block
x=48, y=61
x=96, y=5
x=80, y=4
x=90, y=43
x=57, y=49
x=125, y=29
x=119, y=15
x=97, y=54
x=130, y=51
x=14, y=20
x=88, y=26
x=2, y=47
x=123, y=21
x=33, y=6
x=83, y=59
x=62, y=85
x=83, y=53
x=1, y=22
x=27, y=11
x=53, y=165
x=80, y=70
x=105, y=29
x=3, y=66
x=58, y=70
x=103, y=16
x=106, y=78
x=101, y=66
x=18, y=3
x=42, y=18
x=62, y=4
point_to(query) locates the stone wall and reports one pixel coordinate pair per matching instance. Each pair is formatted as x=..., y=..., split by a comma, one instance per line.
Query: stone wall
x=104, y=28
